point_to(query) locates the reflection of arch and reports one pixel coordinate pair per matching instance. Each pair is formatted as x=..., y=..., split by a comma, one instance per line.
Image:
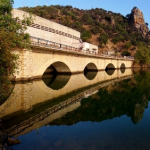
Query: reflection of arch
x=57, y=82
x=110, y=69
x=64, y=67
x=90, y=75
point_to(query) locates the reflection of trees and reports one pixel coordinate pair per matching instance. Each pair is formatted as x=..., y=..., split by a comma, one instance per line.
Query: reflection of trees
x=128, y=97
x=5, y=89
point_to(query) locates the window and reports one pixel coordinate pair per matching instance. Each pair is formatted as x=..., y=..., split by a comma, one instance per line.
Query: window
x=46, y=28
x=53, y=30
x=56, y=31
x=50, y=30
x=60, y=32
x=42, y=28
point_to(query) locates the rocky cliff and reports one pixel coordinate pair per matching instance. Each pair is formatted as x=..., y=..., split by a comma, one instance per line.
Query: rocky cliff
x=137, y=18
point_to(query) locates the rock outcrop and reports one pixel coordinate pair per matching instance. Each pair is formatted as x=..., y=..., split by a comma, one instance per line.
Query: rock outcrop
x=137, y=18
x=112, y=21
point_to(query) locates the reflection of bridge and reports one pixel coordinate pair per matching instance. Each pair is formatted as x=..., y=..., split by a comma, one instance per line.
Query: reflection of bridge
x=24, y=96
x=58, y=46
x=27, y=95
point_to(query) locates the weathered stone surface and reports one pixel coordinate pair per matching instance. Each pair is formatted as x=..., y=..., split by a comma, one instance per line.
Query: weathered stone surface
x=144, y=29
x=137, y=18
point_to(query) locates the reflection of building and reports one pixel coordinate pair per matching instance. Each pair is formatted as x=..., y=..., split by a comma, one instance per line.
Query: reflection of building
x=52, y=31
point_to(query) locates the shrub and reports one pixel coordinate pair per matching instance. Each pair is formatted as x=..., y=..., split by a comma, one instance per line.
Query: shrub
x=85, y=35
x=126, y=53
x=96, y=30
x=103, y=38
x=127, y=45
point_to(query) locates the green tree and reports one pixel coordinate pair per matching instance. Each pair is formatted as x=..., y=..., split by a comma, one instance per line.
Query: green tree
x=142, y=56
x=103, y=39
x=11, y=36
x=85, y=35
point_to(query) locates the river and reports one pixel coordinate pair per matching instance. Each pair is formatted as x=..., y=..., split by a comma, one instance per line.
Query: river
x=91, y=111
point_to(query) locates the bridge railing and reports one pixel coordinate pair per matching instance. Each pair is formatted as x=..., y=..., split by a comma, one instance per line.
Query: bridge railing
x=51, y=44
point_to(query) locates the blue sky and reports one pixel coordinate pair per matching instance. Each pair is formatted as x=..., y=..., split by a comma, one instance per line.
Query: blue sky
x=119, y=6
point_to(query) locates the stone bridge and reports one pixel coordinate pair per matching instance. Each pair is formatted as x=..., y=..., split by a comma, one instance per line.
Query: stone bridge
x=63, y=59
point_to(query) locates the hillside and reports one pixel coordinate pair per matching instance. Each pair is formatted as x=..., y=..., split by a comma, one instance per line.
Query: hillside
x=110, y=31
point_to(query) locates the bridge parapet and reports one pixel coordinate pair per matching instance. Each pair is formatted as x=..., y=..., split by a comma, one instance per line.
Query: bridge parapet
x=63, y=47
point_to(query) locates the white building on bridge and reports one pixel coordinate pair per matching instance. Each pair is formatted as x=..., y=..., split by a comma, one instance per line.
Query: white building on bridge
x=57, y=33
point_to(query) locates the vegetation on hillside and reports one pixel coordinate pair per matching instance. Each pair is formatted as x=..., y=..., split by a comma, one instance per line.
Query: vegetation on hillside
x=11, y=36
x=92, y=22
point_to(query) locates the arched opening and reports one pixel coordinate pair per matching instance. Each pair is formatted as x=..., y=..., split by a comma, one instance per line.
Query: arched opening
x=122, y=68
x=56, y=75
x=57, y=68
x=110, y=69
x=90, y=71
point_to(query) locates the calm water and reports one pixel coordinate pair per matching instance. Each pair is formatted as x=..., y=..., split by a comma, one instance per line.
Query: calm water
x=92, y=111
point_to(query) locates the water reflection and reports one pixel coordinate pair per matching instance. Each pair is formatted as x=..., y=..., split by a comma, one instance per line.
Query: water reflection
x=90, y=75
x=37, y=96
x=110, y=71
x=56, y=82
x=128, y=97
x=37, y=103
x=122, y=70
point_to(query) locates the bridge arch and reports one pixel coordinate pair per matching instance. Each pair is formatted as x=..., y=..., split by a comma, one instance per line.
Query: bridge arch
x=90, y=71
x=110, y=69
x=110, y=66
x=122, y=66
x=60, y=66
x=91, y=67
